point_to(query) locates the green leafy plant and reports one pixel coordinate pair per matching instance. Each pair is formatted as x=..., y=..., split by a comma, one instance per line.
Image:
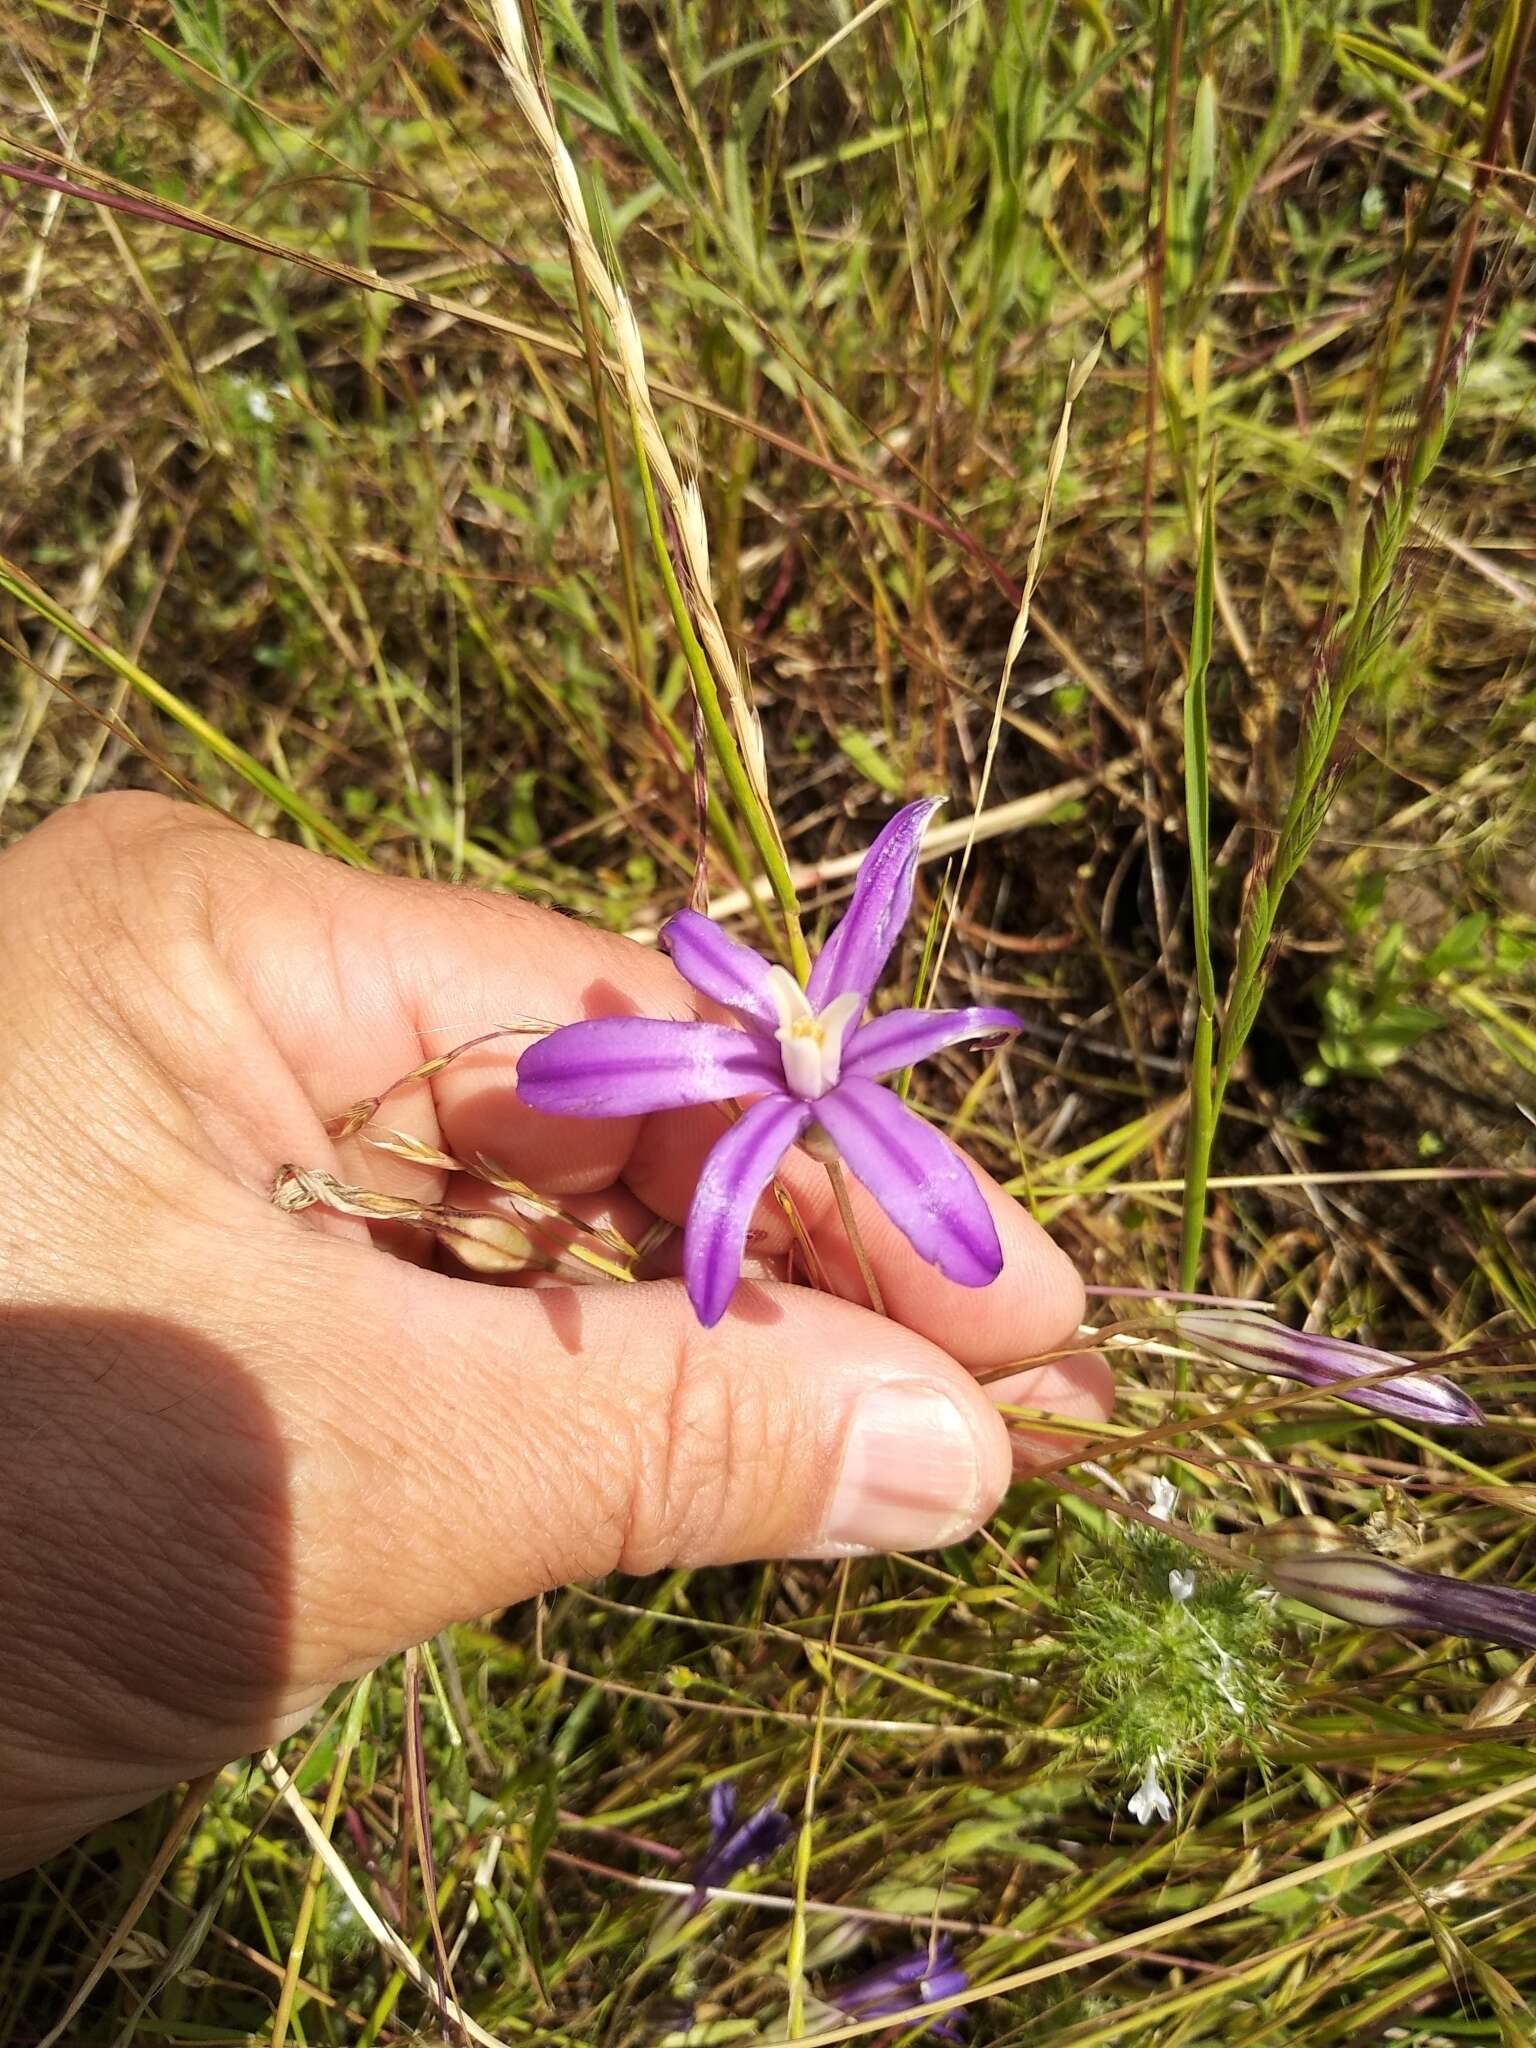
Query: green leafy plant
x=1176, y=1664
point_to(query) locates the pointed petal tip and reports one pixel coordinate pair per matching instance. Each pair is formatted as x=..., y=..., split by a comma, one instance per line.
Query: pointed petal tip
x=983, y=1264
x=709, y=1287
x=859, y=946
x=718, y=966
x=1467, y=1412
x=736, y=1170
x=919, y=1179
x=708, y=1308
x=922, y=807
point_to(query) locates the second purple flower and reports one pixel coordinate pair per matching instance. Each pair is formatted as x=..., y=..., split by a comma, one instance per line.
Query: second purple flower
x=921, y=1978
x=811, y=1059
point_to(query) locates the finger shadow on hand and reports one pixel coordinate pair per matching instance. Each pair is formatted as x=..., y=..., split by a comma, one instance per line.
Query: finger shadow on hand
x=147, y=1624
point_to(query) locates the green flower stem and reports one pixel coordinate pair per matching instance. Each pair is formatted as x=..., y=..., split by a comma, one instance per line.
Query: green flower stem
x=721, y=738
x=1201, y=1131
x=1204, y=1108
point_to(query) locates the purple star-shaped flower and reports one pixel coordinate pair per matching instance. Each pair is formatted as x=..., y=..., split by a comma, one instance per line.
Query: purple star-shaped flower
x=811, y=1059
x=921, y=1978
x=736, y=1845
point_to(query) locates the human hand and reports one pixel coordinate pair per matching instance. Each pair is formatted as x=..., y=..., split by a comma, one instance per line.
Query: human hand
x=245, y=1455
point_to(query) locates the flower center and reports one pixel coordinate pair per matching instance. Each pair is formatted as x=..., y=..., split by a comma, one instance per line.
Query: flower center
x=810, y=1041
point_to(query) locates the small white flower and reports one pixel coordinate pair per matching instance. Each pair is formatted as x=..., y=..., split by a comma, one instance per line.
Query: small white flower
x=1181, y=1585
x=1224, y=1678
x=1149, y=1801
x=1224, y=1686
x=1165, y=1500
x=258, y=404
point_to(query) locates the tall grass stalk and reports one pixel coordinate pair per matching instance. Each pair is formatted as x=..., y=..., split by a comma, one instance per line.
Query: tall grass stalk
x=758, y=819
x=1197, y=809
x=351, y=1735
x=712, y=667
x=1077, y=377
x=1347, y=656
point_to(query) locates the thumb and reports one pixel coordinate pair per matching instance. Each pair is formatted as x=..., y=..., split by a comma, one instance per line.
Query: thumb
x=480, y=1444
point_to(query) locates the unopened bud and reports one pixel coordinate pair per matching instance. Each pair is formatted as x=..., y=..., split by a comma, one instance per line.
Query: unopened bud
x=1258, y=1343
x=1375, y=1594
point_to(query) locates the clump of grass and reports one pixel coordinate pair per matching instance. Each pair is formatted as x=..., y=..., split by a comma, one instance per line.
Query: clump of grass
x=1350, y=653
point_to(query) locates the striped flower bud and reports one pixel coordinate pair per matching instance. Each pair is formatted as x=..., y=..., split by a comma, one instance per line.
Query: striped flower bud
x=1258, y=1343
x=1375, y=1594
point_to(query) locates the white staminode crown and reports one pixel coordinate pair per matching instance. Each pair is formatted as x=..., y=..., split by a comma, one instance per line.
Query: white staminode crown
x=810, y=1042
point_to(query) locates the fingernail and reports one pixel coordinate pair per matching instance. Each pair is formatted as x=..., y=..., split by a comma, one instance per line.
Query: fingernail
x=911, y=1474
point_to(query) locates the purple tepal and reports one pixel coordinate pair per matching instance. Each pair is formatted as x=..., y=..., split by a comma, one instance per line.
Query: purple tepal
x=735, y=1845
x=921, y=1978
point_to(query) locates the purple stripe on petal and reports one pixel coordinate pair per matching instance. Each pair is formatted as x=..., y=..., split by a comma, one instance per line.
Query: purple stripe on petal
x=918, y=1178
x=854, y=957
x=903, y=1037
x=1371, y=1592
x=1504, y=1614
x=1260, y=1344
x=737, y=1169
x=721, y=967
x=628, y=1066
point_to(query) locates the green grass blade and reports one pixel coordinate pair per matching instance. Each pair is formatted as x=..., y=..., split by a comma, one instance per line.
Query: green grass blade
x=288, y=801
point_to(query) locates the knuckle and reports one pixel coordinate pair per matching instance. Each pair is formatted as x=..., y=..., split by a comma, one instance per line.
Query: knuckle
x=707, y=1453
x=109, y=818
x=120, y=855
x=130, y=839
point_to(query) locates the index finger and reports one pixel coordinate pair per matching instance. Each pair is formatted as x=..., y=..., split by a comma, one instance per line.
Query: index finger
x=1035, y=1304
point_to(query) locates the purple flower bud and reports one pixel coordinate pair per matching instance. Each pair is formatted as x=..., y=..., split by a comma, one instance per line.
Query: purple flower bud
x=1260, y=1344
x=1375, y=1594
x=735, y=1845
x=921, y=1978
